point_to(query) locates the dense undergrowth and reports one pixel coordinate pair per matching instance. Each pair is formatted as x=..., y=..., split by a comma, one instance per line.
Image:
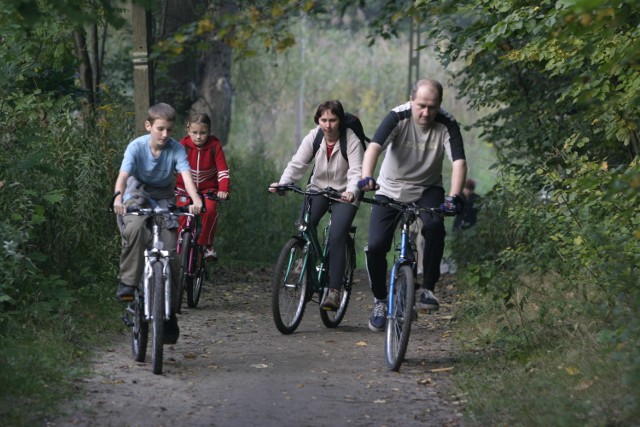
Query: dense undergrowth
x=550, y=302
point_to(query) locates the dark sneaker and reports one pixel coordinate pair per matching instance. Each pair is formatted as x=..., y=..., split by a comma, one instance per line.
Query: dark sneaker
x=171, y=330
x=332, y=301
x=125, y=292
x=378, y=319
x=428, y=301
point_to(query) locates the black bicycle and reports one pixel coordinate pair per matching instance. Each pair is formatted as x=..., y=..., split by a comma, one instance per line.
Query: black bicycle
x=302, y=269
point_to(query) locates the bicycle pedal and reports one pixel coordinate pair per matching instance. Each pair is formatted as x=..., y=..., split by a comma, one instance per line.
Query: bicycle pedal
x=127, y=322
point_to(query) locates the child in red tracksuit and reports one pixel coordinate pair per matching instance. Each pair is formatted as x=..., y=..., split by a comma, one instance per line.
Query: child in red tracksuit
x=210, y=172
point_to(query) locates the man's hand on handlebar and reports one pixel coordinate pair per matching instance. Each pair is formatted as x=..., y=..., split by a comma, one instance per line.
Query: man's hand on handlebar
x=368, y=184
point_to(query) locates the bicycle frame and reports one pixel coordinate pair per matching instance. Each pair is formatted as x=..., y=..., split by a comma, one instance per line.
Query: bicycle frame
x=193, y=227
x=405, y=256
x=315, y=251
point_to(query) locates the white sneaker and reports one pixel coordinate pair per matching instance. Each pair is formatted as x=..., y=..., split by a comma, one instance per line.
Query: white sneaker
x=210, y=253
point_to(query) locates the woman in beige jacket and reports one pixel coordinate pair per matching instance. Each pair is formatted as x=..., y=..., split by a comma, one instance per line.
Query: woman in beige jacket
x=331, y=169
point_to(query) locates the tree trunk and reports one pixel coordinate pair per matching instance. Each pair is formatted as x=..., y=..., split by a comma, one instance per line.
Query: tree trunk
x=85, y=72
x=198, y=81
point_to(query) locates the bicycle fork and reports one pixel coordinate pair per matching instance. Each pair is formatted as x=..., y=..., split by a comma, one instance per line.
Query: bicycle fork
x=405, y=257
x=151, y=257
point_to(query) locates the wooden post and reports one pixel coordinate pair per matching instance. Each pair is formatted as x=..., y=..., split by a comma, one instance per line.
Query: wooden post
x=414, y=54
x=142, y=72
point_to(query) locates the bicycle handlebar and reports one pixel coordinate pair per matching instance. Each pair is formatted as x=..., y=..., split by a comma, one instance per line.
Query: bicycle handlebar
x=135, y=210
x=330, y=192
x=401, y=206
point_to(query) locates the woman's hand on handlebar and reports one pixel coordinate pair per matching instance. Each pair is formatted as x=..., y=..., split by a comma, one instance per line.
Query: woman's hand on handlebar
x=347, y=196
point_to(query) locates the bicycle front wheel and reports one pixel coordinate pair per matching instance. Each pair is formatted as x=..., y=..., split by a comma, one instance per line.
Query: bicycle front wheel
x=399, y=321
x=140, y=328
x=185, y=252
x=157, y=310
x=194, y=285
x=332, y=319
x=289, y=287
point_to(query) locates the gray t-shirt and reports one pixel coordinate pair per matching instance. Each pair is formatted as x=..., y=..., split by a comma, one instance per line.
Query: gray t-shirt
x=413, y=157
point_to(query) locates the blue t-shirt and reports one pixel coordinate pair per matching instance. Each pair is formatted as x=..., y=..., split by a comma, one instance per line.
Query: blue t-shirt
x=157, y=174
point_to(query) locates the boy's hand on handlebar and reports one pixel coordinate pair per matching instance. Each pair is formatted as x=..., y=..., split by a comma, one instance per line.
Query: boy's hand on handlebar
x=119, y=208
x=222, y=195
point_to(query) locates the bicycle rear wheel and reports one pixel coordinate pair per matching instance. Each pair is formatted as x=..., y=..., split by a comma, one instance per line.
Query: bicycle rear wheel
x=194, y=284
x=140, y=328
x=399, y=321
x=157, y=309
x=289, y=287
x=332, y=319
x=185, y=251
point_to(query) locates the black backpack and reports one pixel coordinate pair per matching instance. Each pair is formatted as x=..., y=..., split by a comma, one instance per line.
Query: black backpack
x=350, y=121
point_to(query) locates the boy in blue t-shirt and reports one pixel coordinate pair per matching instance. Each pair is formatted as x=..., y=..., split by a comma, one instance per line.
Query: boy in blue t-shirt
x=147, y=177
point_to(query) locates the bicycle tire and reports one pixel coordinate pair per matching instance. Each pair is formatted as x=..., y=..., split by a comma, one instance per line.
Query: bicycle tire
x=157, y=317
x=289, y=288
x=399, y=321
x=185, y=251
x=194, y=284
x=140, y=328
x=332, y=319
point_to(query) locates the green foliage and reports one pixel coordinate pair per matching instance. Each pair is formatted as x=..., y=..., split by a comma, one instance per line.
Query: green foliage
x=254, y=223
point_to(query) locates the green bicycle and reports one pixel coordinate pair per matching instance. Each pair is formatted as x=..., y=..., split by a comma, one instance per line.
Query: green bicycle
x=302, y=269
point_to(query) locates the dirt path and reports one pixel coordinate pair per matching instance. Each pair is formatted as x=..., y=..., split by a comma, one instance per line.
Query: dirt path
x=231, y=367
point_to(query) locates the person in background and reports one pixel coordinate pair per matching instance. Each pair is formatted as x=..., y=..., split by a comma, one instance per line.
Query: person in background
x=416, y=136
x=469, y=215
x=209, y=171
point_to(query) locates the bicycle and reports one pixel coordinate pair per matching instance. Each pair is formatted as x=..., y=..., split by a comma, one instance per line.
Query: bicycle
x=193, y=269
x=303, y=266
x=152, y=300
x=401, y=310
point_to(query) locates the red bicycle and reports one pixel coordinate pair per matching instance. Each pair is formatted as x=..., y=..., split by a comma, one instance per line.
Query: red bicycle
x=193, y=269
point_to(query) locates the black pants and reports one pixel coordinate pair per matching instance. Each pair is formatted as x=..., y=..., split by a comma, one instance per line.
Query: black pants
x=341, y=219
x=382, y=226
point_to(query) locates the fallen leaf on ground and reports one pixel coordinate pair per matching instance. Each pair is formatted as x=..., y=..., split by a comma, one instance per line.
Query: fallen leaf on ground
x=362, y=343
x=447, y=369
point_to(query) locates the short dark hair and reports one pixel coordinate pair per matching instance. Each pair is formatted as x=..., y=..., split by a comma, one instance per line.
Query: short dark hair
x=161, y=111
x=334, y=106
x=423, y=82
x=470, y=184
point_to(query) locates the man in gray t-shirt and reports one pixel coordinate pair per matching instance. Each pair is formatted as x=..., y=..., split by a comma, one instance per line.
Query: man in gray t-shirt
x=415, y=137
